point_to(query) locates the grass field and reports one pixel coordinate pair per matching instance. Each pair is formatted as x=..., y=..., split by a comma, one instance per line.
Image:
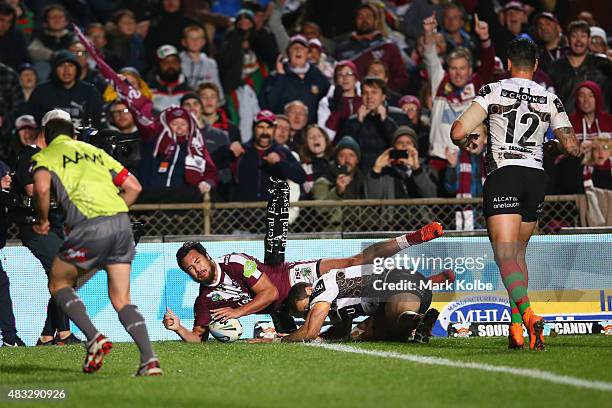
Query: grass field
x=280, y=375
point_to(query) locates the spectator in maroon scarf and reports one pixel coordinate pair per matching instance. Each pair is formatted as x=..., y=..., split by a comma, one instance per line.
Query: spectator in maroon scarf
x=214, y=115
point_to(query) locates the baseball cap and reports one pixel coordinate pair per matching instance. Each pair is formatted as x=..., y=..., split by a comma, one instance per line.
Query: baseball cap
x=55, y=114
x=165, y=51
x=315, y=43
x=599, y=32
x=298, y=39
x=25, y=121
x=26, y=67
x=265, y=116
x=546, y=14
x=514, y=5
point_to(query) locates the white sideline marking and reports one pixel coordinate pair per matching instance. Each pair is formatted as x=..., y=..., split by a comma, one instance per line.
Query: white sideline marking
x=523, y=372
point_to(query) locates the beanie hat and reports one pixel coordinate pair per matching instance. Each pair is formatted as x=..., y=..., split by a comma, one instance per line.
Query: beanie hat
x=347, y=142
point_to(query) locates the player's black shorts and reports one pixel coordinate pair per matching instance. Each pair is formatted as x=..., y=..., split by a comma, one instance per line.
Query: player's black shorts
x=515, y=190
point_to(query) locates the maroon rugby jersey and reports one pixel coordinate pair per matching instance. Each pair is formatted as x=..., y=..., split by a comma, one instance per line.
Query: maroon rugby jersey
x=236, y=275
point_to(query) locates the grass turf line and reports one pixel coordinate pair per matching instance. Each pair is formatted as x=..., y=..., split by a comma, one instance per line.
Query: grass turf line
x=264, y=375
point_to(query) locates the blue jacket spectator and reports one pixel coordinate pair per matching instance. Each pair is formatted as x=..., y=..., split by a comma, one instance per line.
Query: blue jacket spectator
x=295, y=79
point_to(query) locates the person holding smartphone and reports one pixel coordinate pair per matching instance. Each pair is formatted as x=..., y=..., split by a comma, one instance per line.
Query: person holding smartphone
x=399, y=171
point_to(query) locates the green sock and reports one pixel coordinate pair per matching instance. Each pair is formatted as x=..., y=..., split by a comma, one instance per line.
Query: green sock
x=516, y=315
x=517, y=289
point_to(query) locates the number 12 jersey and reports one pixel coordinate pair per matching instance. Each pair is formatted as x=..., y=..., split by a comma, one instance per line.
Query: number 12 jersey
x=519, y=113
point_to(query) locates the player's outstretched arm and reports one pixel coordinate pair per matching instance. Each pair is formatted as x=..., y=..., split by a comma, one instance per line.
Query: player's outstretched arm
x=568, y=140
x=312, y=326
x=384, y=249
x=173, y=323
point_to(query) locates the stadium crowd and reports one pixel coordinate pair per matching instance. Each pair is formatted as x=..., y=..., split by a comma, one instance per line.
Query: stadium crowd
x=346, y=99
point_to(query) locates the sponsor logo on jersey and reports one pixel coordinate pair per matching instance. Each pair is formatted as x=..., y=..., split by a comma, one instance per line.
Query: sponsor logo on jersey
x=249, y=268
x=318, y=289
x=94, y=158
x=559, y=105
x=522, y=96
x=513, y=156
x=484, y=91
x=519, y=149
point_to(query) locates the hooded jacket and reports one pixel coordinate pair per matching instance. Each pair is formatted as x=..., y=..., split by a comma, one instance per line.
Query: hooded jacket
x=82, y=101
x=601, y=126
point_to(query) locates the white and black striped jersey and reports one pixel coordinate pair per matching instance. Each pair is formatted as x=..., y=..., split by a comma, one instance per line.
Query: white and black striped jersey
x=519, y=113
x=345, y=289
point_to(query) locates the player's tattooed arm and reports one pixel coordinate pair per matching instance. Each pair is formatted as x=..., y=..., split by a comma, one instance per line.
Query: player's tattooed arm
x=568, y=140
x=311, y=328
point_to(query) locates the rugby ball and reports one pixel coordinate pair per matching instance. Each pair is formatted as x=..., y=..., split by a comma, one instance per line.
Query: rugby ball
x=226, y=332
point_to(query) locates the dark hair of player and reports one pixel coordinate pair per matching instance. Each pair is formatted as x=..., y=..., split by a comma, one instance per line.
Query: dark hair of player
x=375, y=82
x=57, y=127
x=184, y=250
x=522, y=52
x=296, y=293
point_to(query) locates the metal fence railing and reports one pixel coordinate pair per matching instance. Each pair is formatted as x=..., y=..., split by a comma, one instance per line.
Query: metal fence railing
x=335, y=216
x=346, y=216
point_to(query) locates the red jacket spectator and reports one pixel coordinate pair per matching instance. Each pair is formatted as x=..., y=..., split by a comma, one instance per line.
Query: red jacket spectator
x=590, y=121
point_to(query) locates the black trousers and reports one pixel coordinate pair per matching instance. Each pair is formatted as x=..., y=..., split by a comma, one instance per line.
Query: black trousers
x=45, y=248
x=7, y=318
